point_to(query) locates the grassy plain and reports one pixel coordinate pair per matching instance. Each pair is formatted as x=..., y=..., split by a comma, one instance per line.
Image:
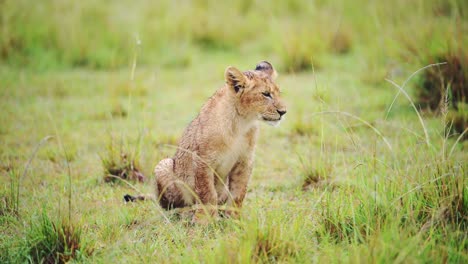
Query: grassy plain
x=347, y=177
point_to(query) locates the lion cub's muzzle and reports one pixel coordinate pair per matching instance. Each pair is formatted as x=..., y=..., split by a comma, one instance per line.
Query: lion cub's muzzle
x=276, y=120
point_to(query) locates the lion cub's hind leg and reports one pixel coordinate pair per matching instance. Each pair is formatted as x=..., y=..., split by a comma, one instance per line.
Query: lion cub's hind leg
x=168, y=191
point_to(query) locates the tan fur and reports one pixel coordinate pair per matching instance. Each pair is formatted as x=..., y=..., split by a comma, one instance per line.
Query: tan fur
x=213, y=163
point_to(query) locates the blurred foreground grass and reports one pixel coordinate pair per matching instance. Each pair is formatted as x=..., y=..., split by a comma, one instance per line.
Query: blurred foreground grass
x=344, y=179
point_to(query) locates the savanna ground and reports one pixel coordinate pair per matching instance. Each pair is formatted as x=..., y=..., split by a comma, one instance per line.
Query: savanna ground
x=356, y=172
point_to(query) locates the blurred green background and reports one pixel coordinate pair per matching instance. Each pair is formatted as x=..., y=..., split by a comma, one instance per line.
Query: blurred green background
x=56, y=34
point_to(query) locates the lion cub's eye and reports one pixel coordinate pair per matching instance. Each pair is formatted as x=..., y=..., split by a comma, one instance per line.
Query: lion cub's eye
x=267, y=94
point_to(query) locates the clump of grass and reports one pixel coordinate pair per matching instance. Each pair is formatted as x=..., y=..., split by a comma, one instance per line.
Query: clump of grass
x=269, y=247
x=317, y=178
x=123, y=168
x=9, y=200
x=296, y=58
x=55, y=242
x=8, y=205
x=451, y=78
x=457, y=121
x=121, y=164
x=341, y=42
x=263, y=239
x=454, y=212
x=340, y=229
x=351, y=220
x=446, y=203
x=300, y=50
x=313, y=179
x=444, y=8
x=118, y=111
x=314, y=176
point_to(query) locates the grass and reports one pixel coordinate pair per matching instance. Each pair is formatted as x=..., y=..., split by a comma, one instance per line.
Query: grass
x=457, y=122
x=120, y=163
x=49, y=241
x=356, y=173
x=449, y=82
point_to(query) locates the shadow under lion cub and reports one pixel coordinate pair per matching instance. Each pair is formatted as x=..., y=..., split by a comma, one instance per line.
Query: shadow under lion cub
x=214, y=158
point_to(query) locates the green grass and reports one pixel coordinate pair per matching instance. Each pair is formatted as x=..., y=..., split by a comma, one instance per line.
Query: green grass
x=341, y=180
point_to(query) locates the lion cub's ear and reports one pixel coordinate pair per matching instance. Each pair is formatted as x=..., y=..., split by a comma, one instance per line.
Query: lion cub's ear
x=266, y=67
x=235, y=78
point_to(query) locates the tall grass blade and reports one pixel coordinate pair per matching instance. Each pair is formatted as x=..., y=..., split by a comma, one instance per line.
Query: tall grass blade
x=360, y=120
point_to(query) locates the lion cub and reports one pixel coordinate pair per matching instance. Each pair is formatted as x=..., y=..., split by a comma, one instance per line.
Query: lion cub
x=213, y=163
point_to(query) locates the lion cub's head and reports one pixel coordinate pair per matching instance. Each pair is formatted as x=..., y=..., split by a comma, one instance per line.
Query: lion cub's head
x=257, y=95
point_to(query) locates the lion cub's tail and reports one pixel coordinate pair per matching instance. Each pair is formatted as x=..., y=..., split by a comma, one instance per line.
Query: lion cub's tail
x=141, y=197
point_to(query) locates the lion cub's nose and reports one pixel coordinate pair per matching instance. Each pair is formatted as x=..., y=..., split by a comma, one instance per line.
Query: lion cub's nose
x=281, y=112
